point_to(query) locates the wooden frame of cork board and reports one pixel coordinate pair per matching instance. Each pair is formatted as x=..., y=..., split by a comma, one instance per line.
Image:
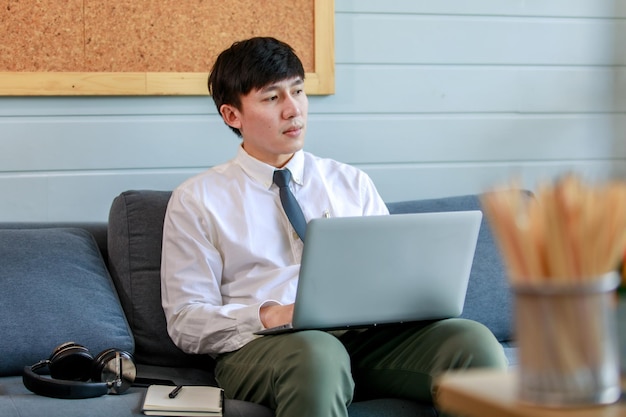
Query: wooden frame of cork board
x=142, y=47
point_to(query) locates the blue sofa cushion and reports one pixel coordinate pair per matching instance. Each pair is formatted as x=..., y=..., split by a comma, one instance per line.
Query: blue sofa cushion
x=55, y=288
x=488, y=299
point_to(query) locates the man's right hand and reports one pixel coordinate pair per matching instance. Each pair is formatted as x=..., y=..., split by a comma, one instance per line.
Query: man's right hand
x=276, y=315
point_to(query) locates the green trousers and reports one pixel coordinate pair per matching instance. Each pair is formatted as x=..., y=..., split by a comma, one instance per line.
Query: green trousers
x=318, y=374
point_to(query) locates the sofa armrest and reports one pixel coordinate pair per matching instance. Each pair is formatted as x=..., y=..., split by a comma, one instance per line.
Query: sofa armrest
x=134, y=242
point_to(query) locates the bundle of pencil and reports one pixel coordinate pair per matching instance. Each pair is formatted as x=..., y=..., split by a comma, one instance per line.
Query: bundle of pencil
x=569, y=230
x=569, y=235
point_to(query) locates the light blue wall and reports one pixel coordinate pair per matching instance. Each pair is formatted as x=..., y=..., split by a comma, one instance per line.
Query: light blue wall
x=433, y=98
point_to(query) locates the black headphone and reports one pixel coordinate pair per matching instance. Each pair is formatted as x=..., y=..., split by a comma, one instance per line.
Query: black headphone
x=71, y=365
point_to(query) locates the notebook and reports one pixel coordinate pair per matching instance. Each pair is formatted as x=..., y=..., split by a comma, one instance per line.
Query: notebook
x=373, y=270
x=187, y=400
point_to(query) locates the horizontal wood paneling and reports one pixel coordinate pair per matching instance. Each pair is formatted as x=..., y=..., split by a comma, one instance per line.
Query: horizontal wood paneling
x=401, y=182
x=54, y=196
x=477, y=40
x=117, y=143
x=104, y=106
x=67, y=196
x=109, y=143
x=556, y=8
x=433, y=98
x=394, y=89
x=418, y=139
x=454, y=89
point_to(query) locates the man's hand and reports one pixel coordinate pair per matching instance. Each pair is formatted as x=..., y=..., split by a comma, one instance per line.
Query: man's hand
x=276, y=315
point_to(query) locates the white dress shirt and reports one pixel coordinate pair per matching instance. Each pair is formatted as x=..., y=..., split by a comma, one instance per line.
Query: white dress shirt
x=228, y=247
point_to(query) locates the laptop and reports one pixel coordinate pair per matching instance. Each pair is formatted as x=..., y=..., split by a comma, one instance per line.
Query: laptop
x=374, y=270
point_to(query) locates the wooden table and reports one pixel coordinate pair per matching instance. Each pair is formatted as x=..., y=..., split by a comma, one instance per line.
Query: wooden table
x=488, y=393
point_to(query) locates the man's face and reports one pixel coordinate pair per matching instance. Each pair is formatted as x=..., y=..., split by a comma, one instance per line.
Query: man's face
x=272, y=120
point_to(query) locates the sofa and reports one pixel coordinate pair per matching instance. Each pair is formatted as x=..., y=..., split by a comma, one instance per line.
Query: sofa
x=98, y=285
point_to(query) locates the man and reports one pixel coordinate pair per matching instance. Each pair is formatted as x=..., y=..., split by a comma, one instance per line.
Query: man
x=231, y=259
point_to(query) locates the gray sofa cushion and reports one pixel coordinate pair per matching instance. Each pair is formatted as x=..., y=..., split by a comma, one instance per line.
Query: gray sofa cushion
x=134, y=246
x=55, y=288
x=488, y=297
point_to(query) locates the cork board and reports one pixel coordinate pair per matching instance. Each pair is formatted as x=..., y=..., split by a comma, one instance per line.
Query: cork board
x=149, y=47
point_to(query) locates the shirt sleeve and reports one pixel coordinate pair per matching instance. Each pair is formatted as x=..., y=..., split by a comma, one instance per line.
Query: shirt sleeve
x=191, y=271
x=372, y=202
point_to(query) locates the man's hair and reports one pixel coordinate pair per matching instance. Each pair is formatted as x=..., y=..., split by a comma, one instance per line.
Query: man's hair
x=251, y=64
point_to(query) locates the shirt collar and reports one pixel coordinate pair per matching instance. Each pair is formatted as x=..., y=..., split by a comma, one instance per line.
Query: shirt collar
x=264, y=173
x=296, y=166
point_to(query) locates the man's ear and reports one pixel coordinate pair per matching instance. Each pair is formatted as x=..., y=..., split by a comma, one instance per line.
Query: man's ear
x=230, y=114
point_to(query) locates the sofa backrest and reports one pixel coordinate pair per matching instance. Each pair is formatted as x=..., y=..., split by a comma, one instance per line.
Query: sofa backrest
x=134, y=250
x=489, y=299
x=134, y=247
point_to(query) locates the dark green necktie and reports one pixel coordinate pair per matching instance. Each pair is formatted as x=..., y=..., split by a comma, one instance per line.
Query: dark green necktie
x=282, y=178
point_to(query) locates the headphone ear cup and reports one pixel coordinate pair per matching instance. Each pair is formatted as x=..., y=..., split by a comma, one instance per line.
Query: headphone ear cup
x=115, y=367
x=71, y=362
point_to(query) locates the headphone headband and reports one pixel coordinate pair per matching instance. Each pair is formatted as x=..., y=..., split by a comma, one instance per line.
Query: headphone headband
x=61, y=388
